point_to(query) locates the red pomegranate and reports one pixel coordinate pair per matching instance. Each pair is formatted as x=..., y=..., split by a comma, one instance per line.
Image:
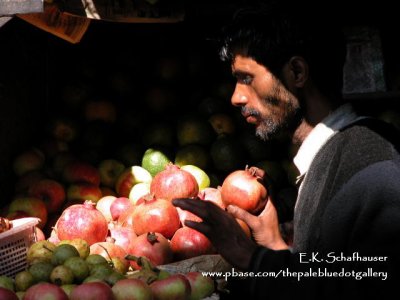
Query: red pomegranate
x=154, y=246
x=155, y=215
x=244, y=189
x=109, y=250
x=82, y=221
x=188, y=243
x=123, y=236
x=173, y=183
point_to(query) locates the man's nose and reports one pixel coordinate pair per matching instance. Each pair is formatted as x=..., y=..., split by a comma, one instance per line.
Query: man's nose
x=239, y=97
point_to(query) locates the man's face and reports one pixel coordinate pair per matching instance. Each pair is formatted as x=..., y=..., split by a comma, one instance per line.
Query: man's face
x=263, y=99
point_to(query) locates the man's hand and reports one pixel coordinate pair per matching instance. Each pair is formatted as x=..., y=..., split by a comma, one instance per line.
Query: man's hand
x=264, y=227
x=221, y=228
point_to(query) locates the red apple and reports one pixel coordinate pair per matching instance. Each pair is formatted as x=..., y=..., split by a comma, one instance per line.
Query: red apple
x=109, y=170
x=81, y=172
x=51, y=192
x=30, y=160
x=128, y=178
x=6, y=294
x=118, y=206
x=201, y=286
x=174, y=287
x=92, y=291
x=84, y=191
x=45, y=290
x=132, y=289
x=34, y=207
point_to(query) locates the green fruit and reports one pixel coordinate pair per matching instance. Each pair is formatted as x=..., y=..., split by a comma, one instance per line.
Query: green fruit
x=95, y=259
x=23, y=280
x=119, y=265
x=80, y=244
x=7, y=282
x=101, y=271
x=61, y=275
x=40, y=251
x=20, y=294
x=68, y=288
x=113, y=277
x=93, y=279
x=79, y=267
x=155, y=160
x=41, y=271
x=62, y=253
x=201, y=177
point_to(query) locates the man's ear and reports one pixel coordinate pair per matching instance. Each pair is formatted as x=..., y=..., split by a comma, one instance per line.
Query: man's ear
x=299, y=70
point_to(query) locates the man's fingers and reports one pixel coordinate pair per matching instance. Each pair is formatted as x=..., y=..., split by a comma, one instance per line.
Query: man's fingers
x=243, y=215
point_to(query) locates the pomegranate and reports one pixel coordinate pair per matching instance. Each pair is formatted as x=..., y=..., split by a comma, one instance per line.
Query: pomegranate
x=154, y=246
x=244, y=189
x=126, y=217
x=187, y=243
x=109, y=250
x=158, y=215
x=120, y=205
x=213, y=195
x=82, y=221
x=187, y=215
x=92, y=291
x=123, y=236
x=174, y=183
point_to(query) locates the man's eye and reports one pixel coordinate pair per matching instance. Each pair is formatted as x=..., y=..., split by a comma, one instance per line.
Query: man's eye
x=245, y=79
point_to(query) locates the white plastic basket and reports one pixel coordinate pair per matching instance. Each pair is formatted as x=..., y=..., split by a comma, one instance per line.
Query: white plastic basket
x=14, y=244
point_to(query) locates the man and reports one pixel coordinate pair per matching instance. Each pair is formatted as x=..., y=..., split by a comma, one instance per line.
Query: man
x=347, y=213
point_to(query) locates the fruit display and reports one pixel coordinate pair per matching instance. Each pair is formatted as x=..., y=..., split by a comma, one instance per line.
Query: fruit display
x=115, y=148
x=73, y=270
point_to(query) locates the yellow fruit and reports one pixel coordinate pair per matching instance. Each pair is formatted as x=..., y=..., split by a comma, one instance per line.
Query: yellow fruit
x=192, y=155
x=40, y=251
x=80, y=244
x=154, y=160
x=200, y=175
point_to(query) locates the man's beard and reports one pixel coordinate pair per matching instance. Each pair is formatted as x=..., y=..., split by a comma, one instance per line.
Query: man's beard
x=269, y=127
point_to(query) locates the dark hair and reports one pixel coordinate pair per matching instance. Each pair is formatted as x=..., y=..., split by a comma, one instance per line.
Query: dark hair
x=271, y=35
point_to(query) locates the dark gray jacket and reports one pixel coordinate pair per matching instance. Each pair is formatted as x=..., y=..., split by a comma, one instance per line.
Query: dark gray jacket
x=348, y=213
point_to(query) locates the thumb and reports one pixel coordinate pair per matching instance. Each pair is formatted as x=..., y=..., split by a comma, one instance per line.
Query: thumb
x=243, y=215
